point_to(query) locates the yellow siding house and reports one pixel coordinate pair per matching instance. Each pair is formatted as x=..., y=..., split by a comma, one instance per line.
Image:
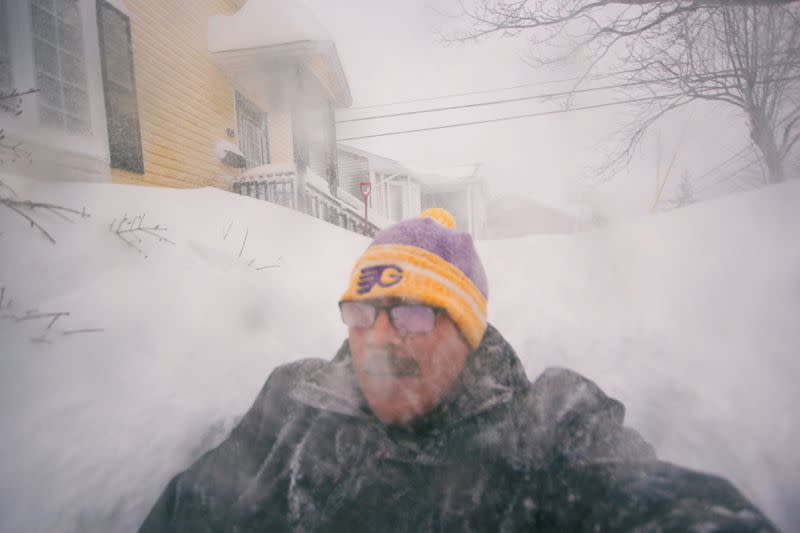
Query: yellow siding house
x=173, y=93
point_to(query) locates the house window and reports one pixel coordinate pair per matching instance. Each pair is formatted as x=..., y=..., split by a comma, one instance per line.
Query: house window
x=5, y=53
x=253, y=140
x=119, y=85
x=60, y=65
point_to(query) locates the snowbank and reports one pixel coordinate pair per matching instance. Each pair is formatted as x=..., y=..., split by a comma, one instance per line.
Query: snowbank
x=688, y=318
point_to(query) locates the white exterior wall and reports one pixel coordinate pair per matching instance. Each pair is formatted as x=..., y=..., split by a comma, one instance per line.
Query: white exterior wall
x=414, y=203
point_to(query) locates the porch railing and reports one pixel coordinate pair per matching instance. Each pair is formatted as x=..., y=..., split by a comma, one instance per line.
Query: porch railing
x=277, y=184
x=320, y=204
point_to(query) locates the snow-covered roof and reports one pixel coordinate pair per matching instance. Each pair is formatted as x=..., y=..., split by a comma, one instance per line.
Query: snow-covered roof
x=376, y=162
x=265, y=34
x=262, y=23
x=456, y=176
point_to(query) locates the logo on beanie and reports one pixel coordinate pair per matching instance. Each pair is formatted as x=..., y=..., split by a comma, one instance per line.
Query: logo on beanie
x=380, y=275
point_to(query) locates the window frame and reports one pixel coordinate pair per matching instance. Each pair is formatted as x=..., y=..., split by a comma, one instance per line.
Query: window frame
x=72, y=120
x=4, y=37
x=136, y=162
x=27, y=127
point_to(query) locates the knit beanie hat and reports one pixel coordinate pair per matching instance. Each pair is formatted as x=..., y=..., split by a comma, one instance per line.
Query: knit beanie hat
x=426, y=259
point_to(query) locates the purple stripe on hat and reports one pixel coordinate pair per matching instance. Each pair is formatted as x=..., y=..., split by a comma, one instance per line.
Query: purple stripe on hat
x=455, y=247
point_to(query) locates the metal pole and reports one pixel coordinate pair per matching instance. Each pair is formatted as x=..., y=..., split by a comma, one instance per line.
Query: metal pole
x=366, y=188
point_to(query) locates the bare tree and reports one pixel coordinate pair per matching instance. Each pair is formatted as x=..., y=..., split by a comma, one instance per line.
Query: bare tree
x=745, y=53
x=744, y=56
x=627, y=18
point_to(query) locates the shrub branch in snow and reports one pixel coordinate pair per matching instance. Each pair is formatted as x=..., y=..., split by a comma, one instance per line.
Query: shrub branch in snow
x=11, y=102
x=24, y=207
x=14, y=150
x=241, y=249
x=129, y=230
x=30, y=315
x=84, y=330
x=246, y=232
x=48, y=320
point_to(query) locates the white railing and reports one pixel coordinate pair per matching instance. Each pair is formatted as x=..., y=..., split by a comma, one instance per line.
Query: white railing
x=273, y=183
x=322, y=204
x=277, y=184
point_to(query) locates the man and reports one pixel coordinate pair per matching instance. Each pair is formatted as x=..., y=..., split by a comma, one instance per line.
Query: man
x=425, y=421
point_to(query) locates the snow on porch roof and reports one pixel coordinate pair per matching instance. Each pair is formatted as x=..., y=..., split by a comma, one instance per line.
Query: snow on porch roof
x=377, y=162
x=264, y=31
x=262, y=23
x=455, y=176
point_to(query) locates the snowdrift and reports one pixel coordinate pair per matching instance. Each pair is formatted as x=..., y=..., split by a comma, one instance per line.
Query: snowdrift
x=689, y=318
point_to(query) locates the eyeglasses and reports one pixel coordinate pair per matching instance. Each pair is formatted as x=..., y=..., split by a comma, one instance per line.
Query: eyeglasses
x=404, y=317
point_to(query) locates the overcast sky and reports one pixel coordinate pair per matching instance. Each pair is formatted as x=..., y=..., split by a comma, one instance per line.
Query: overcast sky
x=392, y=51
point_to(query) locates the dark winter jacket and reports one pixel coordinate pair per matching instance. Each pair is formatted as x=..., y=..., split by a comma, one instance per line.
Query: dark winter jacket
x=501, y=454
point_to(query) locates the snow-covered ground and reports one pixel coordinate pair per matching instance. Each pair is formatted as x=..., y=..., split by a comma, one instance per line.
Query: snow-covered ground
x=690, y=318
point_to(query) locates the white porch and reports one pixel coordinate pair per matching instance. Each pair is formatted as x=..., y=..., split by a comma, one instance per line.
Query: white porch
x=280, y=184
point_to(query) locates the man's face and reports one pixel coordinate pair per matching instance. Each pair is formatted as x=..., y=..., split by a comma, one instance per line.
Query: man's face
x=405, y=376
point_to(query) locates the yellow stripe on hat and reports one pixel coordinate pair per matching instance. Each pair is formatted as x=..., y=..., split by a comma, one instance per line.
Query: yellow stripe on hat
x=396, y=270
x=426, y=260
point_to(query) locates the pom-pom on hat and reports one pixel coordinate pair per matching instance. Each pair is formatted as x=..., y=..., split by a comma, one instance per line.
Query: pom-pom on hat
x=428, y=260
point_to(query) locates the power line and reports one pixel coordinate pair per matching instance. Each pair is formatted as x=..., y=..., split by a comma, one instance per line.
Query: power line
x=729, y=176
x=711, y=171
x=497, y=102
x=723, y=73
x=487, y=91
x=513, y=117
